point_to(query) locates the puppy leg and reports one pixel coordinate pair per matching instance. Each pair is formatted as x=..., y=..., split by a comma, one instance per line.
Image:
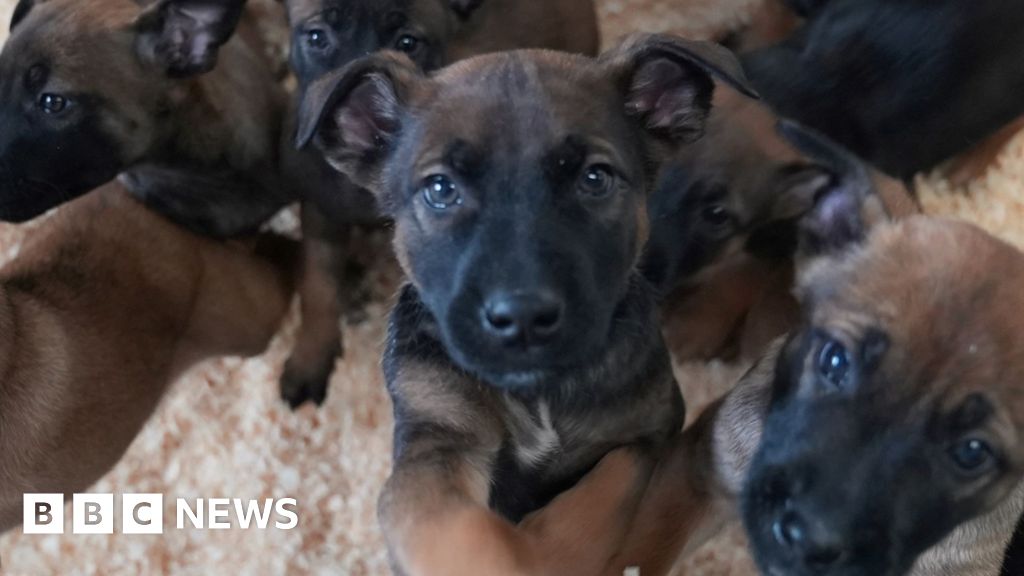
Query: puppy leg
x=318, y=343
x=437, y=523
x=692, y=493
x=242, y=297
x=679, y=510
x=580, y=531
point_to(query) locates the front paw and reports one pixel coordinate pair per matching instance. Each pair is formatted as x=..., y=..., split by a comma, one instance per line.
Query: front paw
x=300, y=384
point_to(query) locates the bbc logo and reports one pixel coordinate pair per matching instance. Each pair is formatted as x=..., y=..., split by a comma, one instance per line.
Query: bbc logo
x=93, y=514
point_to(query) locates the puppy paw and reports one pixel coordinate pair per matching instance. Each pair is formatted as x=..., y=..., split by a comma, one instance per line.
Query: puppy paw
x=300, y=385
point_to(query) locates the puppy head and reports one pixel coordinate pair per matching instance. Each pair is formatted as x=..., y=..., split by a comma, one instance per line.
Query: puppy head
x=84, y=86
x=518, y=184
x=739, y=190
x=896, y=412
x=328, y=34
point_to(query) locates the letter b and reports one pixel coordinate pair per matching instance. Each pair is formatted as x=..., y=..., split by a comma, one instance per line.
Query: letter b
x=43, y=513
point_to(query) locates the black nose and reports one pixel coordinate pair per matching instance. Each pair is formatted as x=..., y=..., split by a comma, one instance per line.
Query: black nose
x=817, y=547
x=523, y=318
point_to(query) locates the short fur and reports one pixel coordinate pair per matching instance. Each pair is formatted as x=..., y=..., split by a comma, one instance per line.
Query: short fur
x=936, y=79
x=723, y=232
x=932, y=339
x=525, y=347
x=103, y=308
x=326, y=36
x=140, y=100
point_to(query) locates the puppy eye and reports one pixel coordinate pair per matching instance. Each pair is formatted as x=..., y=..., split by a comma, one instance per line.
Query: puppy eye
x=440, y=193
x=597, y=181
x=317, y=39
x=834, y=363
x=716, y=215
x=973, y=456
x=407, y=43
x=53, y=103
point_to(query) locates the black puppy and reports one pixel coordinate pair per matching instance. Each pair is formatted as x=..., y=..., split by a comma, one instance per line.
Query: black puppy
x=327, y=35
x=905, y=84
x=525, y=347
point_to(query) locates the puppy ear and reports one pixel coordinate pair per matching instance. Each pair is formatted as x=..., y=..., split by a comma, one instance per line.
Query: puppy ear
x=668, y=82
x=846, y=207
x=20, y=11
x=184, y=36
x=464, y=9
x=353, y=115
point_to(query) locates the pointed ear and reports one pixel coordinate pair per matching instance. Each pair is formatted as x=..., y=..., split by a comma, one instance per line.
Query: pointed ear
x=843, y=210
x=464, y=9
x=183, y=36
x=353, y=115
x=20, y=11
x=669, y=81
x=797, y=192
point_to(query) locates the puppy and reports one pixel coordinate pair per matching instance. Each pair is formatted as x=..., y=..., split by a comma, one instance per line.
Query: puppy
x=525, y=346
x=105, y=305
x=886, y=424
x=930, y=83
x=326, y=36
x=724, y=222
x=97, y=88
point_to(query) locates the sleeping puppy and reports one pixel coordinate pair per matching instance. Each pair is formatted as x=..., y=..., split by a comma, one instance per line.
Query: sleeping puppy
x=933, y=81
x=525, y=346
x=880, y=437
x=326, y=36
x=157, y=93
x=105, y=305
x=723, y=234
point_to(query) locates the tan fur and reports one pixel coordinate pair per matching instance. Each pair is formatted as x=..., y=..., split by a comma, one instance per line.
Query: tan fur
x=101, y=310
x=954, y=328
x=739, y=303
x=91, y=45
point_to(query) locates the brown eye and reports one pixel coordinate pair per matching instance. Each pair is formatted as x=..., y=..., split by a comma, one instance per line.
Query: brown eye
x=407, y=43
x=597, y=181
x=716, y=215
x=53, y=103
x=317, y=39
x=440, y=193
x=972, y=456
x=834, y=364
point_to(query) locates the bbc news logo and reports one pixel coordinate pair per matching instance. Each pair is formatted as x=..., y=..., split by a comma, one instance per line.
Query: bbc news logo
x=144, y=513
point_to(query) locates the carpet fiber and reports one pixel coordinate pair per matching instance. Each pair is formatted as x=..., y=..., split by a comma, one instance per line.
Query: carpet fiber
x=223, y=432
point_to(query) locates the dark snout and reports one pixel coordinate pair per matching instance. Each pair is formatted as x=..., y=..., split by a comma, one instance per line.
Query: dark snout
x=822, y=499
x=523, y=319
x=524, y=312
x=22, y=199
x=42, y=169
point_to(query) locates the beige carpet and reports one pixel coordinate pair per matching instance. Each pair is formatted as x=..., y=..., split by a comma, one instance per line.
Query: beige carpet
x=223, y=432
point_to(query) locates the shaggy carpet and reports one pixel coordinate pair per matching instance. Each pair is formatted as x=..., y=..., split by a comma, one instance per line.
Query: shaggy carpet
x=222, y=432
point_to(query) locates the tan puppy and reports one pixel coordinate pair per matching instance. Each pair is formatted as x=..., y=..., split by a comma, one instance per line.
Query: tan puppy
x=889, y=423
x=103, y=308
x=163, y=93
x=723, y=232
